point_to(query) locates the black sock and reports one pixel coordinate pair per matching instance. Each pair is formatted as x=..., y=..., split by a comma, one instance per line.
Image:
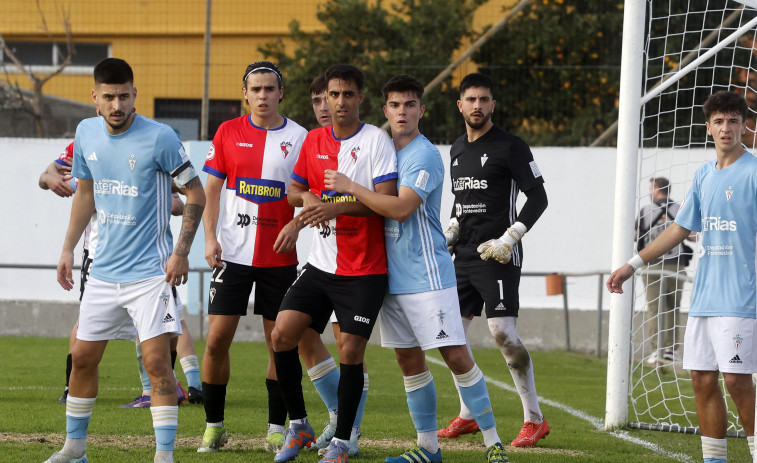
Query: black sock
x=351, y=382
x=214, y=401
x=173, y=359
x=69, y=366
x=289, y=372
x=277, y=410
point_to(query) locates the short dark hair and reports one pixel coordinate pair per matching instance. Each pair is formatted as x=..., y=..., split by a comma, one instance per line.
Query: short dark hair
x=261, y=67
x=661, y=184
x=346, y=73
x=725, y=102
x=318, y=85
x=401, y=84
x=476, y=80
x=113, y=71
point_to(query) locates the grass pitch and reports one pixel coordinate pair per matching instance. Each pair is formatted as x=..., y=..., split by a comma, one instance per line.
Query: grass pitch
x=32, y=424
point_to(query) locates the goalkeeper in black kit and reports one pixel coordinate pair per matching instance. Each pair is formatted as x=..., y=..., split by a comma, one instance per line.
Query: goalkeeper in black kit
x=489, y=168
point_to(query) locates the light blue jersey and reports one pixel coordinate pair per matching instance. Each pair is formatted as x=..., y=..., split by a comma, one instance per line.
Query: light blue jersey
x=131, y=175
x=722, y=205
x=416, y=250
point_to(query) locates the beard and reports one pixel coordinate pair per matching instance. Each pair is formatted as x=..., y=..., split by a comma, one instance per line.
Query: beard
x=480, y=124
x=120, y=125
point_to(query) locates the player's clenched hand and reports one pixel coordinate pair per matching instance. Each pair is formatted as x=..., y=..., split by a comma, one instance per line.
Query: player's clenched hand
x=65, y=270
x=213, y=253
x=287, y=238
x=337, y=181
x=618, y=277
x=59, y=181
x=177, y=269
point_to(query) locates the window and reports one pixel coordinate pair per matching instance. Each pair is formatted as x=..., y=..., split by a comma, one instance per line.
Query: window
x=43, y=54
x=184, y=115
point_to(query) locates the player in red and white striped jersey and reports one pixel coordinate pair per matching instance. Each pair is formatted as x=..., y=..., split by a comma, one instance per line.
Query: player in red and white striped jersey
x=346, y=269
x=253, y=156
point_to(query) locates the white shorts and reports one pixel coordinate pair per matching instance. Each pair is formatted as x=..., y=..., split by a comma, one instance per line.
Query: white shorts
x=143, y=308
x=429, y=320
x=179, y=307
x=725, y=344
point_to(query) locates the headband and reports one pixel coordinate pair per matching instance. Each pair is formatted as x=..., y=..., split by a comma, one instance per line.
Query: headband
x=262, y=68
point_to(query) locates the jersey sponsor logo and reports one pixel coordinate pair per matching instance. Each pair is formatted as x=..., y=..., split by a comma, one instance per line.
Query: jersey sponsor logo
x=325, y=231
x=484, y=158
x=360, y=319
x=477, y=208
x=244, y=220
x=334, y=197
x=115, y=219
x=322, y=156
x=728, y=193
x=469, y=183
x=164, y=301
x=720, y=250
x=107, y=186
x=211, y=152
x=422, y=180
x=244, y=145
x=132, y=161
x=392, y=232
x=718, y=224
x=354, y=153
x=534, y=169
x=93, y=156
x=458, y=209
x=259, y=190
x=286, y=147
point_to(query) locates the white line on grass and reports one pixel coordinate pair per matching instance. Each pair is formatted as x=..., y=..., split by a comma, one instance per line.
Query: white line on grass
x=596, y=422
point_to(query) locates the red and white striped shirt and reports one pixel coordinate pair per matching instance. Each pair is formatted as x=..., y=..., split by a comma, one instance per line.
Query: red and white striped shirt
x=66, y=158
x=257, y=164
x=350, y=246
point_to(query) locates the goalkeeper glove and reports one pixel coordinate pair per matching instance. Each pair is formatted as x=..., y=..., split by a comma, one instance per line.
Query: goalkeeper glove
x=501, y=249
x=452, y=233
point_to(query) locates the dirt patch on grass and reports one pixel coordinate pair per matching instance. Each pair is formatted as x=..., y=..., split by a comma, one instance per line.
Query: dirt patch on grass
x=240, y=442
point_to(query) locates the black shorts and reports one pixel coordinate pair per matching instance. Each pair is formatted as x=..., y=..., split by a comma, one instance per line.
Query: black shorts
x=355, y=300
x=230, y=289
x=493, y=285
x=86, y=264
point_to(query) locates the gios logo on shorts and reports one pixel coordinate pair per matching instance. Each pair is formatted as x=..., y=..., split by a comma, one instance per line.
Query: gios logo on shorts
x=259, y=191
x=360, y=319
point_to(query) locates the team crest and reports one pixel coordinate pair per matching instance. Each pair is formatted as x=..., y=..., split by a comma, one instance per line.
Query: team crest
x=132, y=161
x=212, y=294
x=354, y=153
x=484, y=158
x=211, y=152
x=728, y=193
x=286, y=147
x=440, y=315
x=164, y=299
x=737, y=341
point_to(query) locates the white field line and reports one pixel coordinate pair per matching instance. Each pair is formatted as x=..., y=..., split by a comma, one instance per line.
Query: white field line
x=596, y=422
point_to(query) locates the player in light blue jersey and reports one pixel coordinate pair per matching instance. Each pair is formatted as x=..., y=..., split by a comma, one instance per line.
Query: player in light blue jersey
x=421, y=311
x=125, y=163
x=720, y=332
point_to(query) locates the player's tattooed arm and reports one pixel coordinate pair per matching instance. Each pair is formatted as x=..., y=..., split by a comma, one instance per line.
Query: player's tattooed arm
x=192, y=216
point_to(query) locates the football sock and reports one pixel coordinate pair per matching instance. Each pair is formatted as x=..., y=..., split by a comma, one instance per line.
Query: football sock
x=277, y=410
x=750, y=443
x=333, y=416
x=520, y=365
x=714, y=450
x=421, y=401
x=325, y=378
x=78, y=413
x=69, y=366
x=165, y=421
x=361, y=405
x=214, y=401
x=191, y=368
x=163, y=456
x=289, y=374
x=476, y=396
x=273, y=428
x=350, y=390
x=464, y=412
x=143, y=376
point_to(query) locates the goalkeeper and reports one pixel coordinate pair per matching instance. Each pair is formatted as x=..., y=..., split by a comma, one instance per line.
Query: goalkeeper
x=489, y=167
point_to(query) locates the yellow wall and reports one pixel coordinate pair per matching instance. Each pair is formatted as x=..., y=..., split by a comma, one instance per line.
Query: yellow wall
x=163, y=40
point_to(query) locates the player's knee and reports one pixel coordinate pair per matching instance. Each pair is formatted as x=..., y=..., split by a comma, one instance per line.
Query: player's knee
x=81, y=360
x=739, y=385
x=281, y=340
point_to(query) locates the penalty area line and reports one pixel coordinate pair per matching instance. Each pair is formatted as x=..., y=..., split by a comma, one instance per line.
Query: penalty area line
x=580, y=414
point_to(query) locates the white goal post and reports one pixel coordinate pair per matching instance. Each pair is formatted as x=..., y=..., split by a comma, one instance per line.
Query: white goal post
x=675, y=53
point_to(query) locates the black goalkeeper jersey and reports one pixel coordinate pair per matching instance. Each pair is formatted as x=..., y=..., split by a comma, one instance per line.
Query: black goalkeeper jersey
x=487, y=176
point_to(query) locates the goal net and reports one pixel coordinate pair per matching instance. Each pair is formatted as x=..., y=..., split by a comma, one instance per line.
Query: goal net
x=692, y=49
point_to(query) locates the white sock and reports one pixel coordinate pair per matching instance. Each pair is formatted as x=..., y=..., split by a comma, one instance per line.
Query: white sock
x=163, y=456
x=519, y=363
x=750, y=443
x=333, y=415
x=272, y=428
x=714, y=448
x=429, y=441
x=490, y=436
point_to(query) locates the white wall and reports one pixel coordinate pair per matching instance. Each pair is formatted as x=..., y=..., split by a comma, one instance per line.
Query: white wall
x=573, y=235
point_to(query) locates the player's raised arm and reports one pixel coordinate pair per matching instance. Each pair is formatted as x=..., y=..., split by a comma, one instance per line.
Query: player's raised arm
x=178, y=264
x=81, y=212
x=668, y=239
